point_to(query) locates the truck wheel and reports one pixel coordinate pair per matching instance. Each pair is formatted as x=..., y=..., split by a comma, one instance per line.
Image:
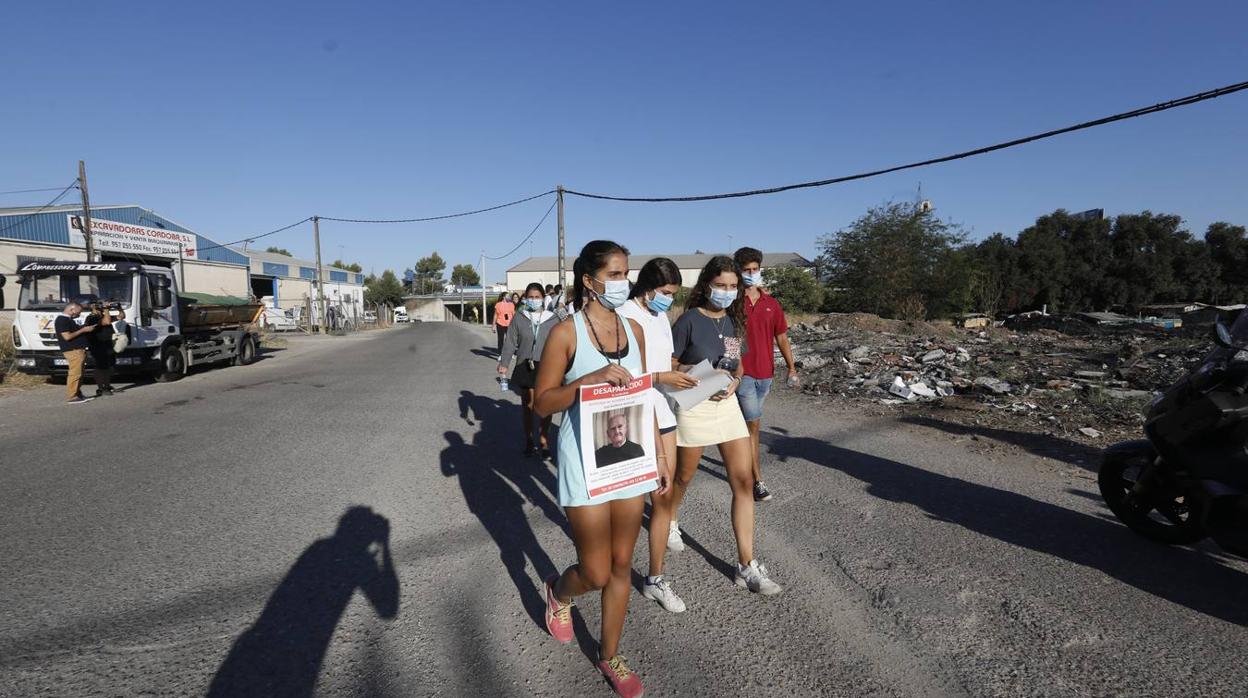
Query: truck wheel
x=172, y=365
x=246, y=351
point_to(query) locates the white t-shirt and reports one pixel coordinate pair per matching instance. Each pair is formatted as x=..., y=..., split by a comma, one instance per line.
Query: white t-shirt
x=658, y=335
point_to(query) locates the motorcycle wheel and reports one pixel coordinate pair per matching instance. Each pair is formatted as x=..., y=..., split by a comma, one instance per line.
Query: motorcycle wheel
x=1164, y=517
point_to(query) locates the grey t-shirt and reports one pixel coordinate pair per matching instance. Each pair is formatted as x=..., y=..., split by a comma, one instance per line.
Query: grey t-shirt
x=696, y=337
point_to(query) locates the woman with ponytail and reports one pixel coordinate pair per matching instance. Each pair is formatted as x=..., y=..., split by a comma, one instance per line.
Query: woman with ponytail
x=597, y=346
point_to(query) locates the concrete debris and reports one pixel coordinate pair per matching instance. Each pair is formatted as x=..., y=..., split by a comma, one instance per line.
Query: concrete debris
x=1037, y=380
x=1090, y=432
x=933, y=356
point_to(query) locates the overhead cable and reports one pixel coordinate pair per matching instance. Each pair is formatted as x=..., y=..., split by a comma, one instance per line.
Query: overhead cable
x=527, y=237
x=30, y=191
x=1163, y=106
x=253, y=238
x=41, y=209
x=437, y=218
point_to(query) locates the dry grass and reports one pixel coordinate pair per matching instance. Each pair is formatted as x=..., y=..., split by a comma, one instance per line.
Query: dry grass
x=10, y=378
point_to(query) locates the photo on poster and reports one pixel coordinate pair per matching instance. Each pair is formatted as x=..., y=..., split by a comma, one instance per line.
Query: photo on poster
x=615, y=435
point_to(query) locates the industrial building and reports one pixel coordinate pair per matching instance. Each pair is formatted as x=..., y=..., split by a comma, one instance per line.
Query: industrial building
x=545, y=270
x=281, y=281
x=128, y=233
x=132, y=233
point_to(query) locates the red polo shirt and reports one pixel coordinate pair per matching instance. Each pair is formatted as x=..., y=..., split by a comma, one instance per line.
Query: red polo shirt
x=764, y=321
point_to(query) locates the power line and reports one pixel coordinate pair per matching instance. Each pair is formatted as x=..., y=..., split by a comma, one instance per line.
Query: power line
x=438, y=218
x=1163, y=106
x=29, y=191
x=253, y=238
x=526, y=238
x=41, y=209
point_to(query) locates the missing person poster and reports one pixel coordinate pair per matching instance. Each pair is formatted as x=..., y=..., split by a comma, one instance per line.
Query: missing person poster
x=617, y=436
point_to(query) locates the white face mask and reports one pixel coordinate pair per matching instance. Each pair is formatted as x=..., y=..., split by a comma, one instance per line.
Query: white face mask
x=614, y=294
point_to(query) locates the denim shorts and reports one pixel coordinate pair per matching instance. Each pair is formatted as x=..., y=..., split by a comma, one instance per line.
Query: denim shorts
x=752, y=393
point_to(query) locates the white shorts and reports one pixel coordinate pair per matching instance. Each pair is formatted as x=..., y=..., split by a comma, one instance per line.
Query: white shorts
x=710, y=423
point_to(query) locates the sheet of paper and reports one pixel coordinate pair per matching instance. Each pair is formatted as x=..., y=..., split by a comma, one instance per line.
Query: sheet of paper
x=710, y=381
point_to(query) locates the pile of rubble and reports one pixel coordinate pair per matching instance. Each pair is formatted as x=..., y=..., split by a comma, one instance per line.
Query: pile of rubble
x=1090, y=385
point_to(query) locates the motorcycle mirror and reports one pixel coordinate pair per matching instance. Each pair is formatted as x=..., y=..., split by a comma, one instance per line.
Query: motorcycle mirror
x=1223, y=335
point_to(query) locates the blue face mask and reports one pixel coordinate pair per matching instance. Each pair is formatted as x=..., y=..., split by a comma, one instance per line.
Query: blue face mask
x=614, y=294
x=753, y=278
x=722, y=299
x=533, y=304
x=660, y=303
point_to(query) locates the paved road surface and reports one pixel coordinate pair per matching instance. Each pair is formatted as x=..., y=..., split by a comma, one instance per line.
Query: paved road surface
x=182, y=536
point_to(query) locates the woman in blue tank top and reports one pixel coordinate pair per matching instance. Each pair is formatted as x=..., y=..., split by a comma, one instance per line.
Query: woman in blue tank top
x=597, y=346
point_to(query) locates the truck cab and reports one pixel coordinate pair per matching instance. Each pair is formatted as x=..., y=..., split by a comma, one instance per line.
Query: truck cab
x=166, y=335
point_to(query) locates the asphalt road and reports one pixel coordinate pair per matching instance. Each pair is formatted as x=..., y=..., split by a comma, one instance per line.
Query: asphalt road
x=186, y=537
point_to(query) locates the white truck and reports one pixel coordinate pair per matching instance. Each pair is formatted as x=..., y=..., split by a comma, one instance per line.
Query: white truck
x=167, y=333
x=400, y=314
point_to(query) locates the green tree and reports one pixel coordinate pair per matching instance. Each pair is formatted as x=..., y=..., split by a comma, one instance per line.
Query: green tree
x=465, y=275
x=383, y=289
x=353, y=266
x=1228, y=250
x=797, y=289
x=429, y=274
x=894, y=258
x=279, y=250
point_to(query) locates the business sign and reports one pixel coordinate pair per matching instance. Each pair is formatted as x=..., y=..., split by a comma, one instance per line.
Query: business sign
x=125, y=238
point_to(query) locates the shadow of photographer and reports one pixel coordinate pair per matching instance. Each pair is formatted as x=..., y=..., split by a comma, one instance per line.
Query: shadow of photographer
x=282, y=652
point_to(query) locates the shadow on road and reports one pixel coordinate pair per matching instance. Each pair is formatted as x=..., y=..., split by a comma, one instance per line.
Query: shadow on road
x=487, y=352
x=1179, y=575
x=489, y=473
x=1055, y=447
x=281, y=654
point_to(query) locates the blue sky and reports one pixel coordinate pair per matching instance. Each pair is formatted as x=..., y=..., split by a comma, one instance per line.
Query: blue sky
x=236, y=118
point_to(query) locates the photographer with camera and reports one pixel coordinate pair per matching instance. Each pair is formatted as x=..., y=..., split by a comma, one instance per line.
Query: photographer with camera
x=73, y=341
x=101, y=344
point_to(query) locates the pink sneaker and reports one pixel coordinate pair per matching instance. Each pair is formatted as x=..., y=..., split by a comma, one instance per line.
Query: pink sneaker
x=558, y=615
x=621, y=678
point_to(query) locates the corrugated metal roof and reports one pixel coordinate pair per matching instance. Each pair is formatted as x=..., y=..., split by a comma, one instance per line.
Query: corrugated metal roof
x=49, y=226
x=683, y=261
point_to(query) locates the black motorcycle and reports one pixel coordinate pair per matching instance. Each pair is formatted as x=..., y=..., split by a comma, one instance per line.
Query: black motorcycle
x=1189, y=479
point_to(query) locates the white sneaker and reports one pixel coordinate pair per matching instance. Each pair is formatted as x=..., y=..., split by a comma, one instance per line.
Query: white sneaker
x=754, y=577
x=674, y=542
x=658, y=589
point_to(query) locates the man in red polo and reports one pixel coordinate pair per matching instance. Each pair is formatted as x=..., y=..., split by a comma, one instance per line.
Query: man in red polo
x=765, y=327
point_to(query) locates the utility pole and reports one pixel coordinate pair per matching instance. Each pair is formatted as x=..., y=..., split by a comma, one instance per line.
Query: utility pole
x=86, y=210
x=320, y=275
x=484, y=322
x=559, y=203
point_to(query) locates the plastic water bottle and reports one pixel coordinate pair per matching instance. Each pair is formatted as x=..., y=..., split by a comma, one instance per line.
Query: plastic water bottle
x=502, y=383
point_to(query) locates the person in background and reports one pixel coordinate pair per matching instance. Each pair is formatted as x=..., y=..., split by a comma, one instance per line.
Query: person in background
x=558, y=300
x=713, y=329
x=597, y=346
x=504, y=311
x=765, y=325
x=525, y=339
x=652, y=296
x=101, y=346
x=73, y=342
x=549, y=296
